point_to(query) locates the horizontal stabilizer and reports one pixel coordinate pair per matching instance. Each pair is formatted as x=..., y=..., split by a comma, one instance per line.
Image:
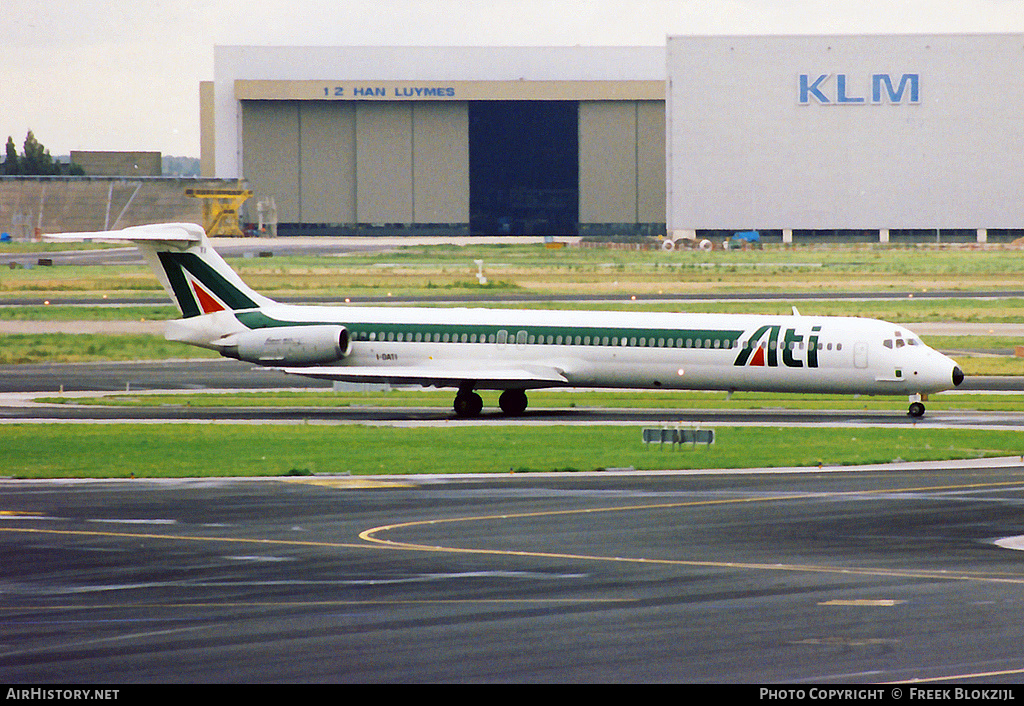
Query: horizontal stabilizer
x=488, y=378
x=162, y=232
x=194, y=275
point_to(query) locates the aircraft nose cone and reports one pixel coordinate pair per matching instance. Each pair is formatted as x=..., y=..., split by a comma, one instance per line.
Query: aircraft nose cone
x=958, y=376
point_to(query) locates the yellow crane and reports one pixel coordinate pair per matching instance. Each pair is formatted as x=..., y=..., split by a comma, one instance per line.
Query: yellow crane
x=220, y=209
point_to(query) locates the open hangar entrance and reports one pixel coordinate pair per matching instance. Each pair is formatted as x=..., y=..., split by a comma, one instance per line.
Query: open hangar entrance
x=523, y=167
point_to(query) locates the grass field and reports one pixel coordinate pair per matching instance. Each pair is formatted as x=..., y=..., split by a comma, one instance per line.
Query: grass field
x=960, y=310
x=531, y=268
x=422, y=270
x=21, y=349
x=191, y=450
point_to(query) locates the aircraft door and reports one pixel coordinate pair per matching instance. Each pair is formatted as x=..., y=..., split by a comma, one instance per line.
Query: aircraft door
x=860, y=355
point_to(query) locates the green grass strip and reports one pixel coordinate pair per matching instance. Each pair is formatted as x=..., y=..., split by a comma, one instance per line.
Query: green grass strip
x=207, y=450
x=27, y=348
x=88, y=313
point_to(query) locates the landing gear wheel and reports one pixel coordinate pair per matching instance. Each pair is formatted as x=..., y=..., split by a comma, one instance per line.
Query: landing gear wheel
x=916, y=409
x=513, y=402
x=468, y=404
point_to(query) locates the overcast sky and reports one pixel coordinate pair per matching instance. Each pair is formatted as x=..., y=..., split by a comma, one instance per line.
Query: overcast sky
x=115, y=75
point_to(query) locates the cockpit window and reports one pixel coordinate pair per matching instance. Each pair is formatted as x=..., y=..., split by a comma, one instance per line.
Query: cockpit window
x=899, y=342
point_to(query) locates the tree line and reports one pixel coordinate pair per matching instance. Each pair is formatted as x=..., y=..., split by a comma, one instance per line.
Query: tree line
x=34, y=160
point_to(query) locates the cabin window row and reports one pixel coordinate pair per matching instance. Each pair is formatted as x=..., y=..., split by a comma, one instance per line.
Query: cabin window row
x=794, y=346
x=523, y=337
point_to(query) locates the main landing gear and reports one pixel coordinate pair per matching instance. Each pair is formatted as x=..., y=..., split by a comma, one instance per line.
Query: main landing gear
x=513, y=402
x=469, y=404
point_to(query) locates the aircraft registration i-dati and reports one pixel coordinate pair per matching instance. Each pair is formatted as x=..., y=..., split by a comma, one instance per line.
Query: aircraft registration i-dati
x=514, y=351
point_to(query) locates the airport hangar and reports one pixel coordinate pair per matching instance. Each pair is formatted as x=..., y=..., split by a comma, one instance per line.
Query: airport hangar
x=856, y=137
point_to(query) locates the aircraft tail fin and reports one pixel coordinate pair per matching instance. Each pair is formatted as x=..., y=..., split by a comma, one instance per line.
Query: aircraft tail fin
x=195, y=276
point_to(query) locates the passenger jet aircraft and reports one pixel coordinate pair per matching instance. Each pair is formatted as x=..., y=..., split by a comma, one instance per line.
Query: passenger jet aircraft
x=519, y=350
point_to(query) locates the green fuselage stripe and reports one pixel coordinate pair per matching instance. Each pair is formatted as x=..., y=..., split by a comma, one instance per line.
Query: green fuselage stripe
x=537, y=335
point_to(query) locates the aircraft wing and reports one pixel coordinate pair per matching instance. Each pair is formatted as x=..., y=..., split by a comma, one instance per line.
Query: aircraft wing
x=532, y=376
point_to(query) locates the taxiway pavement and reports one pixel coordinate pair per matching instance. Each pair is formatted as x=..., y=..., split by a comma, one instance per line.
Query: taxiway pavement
x=852, y=576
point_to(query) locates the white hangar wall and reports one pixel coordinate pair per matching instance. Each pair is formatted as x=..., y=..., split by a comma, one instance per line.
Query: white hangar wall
x=845, y=132
x=382, y=136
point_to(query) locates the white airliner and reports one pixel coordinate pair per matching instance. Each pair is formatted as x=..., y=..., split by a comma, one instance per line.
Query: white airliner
x=517, y=350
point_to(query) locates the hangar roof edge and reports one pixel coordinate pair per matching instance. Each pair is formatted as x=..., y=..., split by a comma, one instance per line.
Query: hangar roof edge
x=441, y=63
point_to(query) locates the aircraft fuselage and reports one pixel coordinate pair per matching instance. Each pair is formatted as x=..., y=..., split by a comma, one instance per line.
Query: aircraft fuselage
x=636, y=349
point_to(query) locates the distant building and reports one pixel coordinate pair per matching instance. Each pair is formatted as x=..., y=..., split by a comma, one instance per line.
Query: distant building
x=901, y=137
x=119, y=164
x=851, y=137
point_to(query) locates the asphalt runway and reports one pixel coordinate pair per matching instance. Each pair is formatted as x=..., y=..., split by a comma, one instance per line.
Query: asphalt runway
x=855, y=576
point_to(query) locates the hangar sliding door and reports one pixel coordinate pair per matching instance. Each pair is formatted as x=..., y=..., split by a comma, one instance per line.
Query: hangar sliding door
x=622, y=167
x=412, y=163
x=350, y=165
x=440, y=164
x=327, y=163
x=384, y=163
x=272, y=170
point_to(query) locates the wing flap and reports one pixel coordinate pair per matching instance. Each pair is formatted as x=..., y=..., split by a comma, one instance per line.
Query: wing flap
x=487, y=378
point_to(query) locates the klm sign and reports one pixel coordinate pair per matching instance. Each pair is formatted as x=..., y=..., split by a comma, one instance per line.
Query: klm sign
x=840, y=89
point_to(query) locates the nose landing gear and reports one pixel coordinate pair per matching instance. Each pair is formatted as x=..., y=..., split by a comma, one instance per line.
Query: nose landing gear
x=916, y=406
